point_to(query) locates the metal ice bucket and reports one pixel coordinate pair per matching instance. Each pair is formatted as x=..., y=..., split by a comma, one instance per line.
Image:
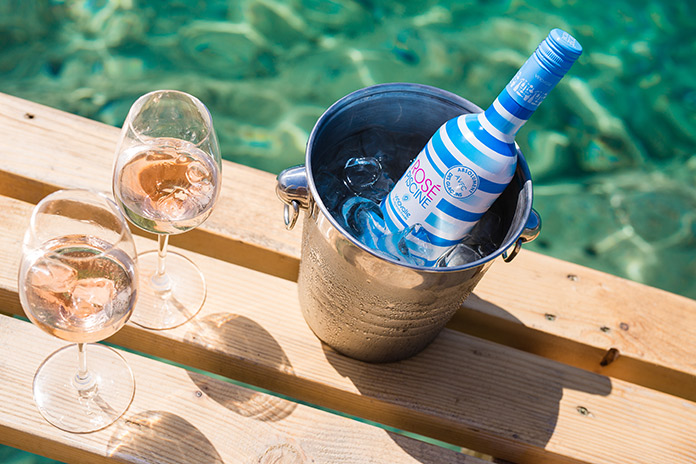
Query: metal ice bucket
x=368, y=306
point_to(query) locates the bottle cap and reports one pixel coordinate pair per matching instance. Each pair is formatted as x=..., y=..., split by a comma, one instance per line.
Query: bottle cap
x=557, y=53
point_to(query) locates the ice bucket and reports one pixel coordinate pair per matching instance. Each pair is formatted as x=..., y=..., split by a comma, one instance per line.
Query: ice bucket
x=363, y=304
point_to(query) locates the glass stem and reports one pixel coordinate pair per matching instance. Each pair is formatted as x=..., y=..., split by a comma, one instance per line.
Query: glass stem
x=162, y=241
x=82, y=373
x=160, y=281
x=83, y=381
x=85, y=384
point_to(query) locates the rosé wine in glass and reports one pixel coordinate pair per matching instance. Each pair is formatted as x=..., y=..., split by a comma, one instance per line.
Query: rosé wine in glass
x=78, y=281
x=76, y=298
x=168, y=187
x=166, y=179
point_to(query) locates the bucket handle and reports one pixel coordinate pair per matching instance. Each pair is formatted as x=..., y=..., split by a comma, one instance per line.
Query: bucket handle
x=293, y=191
x=291, y=188
x=531, y=231
x=290, y=221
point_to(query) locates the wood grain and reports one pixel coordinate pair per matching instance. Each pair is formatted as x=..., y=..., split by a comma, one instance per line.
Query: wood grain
x=53, y=149
x=462, y=390
x=178, y=416
x=538, y=304
x=576, y=315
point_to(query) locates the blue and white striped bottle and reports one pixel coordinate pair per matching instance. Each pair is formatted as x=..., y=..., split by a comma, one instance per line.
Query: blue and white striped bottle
x=471, y=159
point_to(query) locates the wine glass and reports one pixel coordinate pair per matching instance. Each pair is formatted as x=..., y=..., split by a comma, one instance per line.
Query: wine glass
x=78, y=281
x=166, y=179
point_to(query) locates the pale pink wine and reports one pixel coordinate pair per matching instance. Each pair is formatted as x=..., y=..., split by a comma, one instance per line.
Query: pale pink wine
x=78, y=288
x=168, y=187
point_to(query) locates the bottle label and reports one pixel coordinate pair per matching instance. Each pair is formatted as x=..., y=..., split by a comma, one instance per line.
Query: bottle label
x=452, y=181
x=461, y=182
x=421, y=188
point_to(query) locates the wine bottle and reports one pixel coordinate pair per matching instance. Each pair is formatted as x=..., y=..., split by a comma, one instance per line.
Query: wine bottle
x=471, y=159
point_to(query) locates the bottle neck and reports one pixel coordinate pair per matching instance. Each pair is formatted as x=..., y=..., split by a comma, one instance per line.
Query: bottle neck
x=504, y=118
x=520, y=98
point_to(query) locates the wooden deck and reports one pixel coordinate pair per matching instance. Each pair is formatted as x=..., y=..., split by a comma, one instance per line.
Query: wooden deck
x=547, y=361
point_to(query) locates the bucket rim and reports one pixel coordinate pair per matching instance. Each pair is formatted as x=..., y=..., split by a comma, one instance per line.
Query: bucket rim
x=432, y=92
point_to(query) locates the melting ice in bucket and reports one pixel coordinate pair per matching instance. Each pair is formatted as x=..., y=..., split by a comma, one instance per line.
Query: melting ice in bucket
x=368, y=171
x=365, y=177
x=361, y=173
x=352, y=191
x=363, y=218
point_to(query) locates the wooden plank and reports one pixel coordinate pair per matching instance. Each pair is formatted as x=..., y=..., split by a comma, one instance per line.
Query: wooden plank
x=512, y=305
x=588, y=319
x=178, y=416
x=462, y=390
x=43, y=149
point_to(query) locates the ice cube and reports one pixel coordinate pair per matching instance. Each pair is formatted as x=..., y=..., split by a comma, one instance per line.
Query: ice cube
x=459, y=255
x=52, y=275
x=332, y=190
x=197, y=173
x=382, y=145
x=360, y=173
x=201, y=186
x=363, y=219
x=173, y=205
x=379, y=189
x=366, y=178
x=484, y=236
x=92, y=295
x=202, y=192
x=411, y=245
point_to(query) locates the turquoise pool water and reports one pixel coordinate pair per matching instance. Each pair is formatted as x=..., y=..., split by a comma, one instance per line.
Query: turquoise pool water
x=612, y=150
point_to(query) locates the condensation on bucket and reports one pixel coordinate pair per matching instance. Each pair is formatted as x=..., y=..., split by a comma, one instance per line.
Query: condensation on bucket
x=367, y=310
x=357, y=301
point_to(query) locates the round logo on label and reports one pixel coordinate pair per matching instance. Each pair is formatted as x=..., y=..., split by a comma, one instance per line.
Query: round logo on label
x=461, y=182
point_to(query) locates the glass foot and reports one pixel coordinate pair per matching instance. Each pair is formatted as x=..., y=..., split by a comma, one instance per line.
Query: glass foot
x=171, y=301
x=82, y=407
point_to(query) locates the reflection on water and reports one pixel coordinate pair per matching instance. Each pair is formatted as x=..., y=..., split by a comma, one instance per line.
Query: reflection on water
x=611, y=150
x=268, y=69
x=159, y=434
